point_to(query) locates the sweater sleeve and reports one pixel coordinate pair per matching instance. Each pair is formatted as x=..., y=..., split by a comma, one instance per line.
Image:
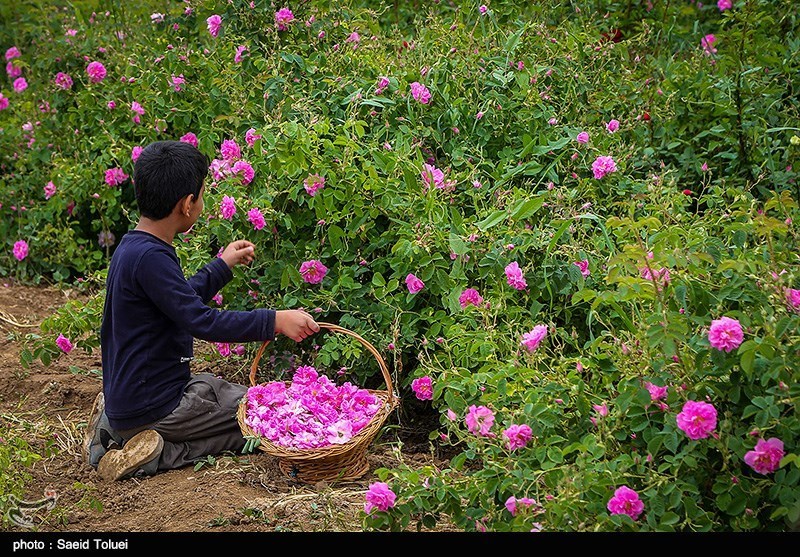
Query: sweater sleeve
x=161, y=277
x=210, y=279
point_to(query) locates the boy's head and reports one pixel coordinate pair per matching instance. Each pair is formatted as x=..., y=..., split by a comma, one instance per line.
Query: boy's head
x=165, y=173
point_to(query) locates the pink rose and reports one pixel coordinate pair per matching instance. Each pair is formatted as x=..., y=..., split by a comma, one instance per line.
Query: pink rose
x=283, y=17
x=420, y=93
x=379, y=496
x=626, y=501
x=584, y=267
x=766, y=457
x=190, y=138
x=214, y=24
x=227, y=207
x=313, y=183
x=479, y=420
x=531, y=339
x=470, y=297
x=20, y=250
x=697, y=419
x=96, y=72
x=725, y=334
x=414, y=284
x=514, y=276
x=517, y=436
x=423, y=388
x=313, y=271
x=603, y=166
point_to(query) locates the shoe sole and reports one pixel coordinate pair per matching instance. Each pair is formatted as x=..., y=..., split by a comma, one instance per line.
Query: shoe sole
x=118, y=464
x=98, y=407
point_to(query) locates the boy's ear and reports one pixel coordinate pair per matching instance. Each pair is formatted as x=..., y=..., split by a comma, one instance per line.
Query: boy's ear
x=185, y=204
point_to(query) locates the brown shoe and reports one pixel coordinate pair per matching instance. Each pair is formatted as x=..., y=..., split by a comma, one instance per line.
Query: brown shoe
x=98, y=406
x=99, y=436
x=141, y=452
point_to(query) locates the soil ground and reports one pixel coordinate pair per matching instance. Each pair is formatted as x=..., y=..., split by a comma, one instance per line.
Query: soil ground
x=49, y=406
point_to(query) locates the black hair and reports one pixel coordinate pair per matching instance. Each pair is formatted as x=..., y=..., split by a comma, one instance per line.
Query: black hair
x=165, y=173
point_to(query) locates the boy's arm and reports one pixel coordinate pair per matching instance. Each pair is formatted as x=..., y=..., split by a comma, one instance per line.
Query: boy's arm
x=210, y=279
x=163, y=281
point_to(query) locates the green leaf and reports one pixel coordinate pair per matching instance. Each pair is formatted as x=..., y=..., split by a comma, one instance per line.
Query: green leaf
x=781, y=326
x=378, y=280
x=746, y=361
x=669, y=518
x=492, y=220
x=457, y=245
x=527, y=207
x=737, y=505
x=335, y=235
x=512, y=41
x=379, y=102
x=555, y=455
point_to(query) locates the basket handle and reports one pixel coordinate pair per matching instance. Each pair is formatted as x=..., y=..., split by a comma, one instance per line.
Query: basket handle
x=336, y=329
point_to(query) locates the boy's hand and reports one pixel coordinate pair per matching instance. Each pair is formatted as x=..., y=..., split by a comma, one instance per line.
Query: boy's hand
x=296, y=324
x=239, y=252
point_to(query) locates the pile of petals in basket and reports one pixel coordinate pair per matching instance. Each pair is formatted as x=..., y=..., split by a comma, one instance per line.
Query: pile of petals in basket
x=310, y=413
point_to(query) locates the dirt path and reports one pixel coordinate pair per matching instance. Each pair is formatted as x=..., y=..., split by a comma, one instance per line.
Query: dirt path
x=48, y=407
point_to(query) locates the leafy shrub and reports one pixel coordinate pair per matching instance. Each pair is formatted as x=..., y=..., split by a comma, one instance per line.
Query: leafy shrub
x=447, y=138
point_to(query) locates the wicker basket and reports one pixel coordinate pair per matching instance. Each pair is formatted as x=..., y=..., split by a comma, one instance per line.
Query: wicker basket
x=346, y=461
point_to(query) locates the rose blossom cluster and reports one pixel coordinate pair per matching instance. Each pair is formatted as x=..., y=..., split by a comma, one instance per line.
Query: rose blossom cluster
x=231, y=163
x=311, y=412
x=480, y=420
x=115, y=176
x=698, y=420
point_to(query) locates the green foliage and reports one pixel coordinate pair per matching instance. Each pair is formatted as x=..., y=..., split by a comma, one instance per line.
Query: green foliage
x=16, y=456
x=705, y=190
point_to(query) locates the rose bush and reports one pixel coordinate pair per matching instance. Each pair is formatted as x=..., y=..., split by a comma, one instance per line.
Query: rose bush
x=577, y=226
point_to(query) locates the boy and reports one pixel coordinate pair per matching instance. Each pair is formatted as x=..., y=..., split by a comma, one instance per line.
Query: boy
x=153, y=414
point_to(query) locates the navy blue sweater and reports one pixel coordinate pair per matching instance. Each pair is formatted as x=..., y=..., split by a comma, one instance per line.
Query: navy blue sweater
x=151, y=317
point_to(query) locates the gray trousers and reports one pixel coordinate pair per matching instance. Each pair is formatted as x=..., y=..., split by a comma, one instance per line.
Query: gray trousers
x=204, y=423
